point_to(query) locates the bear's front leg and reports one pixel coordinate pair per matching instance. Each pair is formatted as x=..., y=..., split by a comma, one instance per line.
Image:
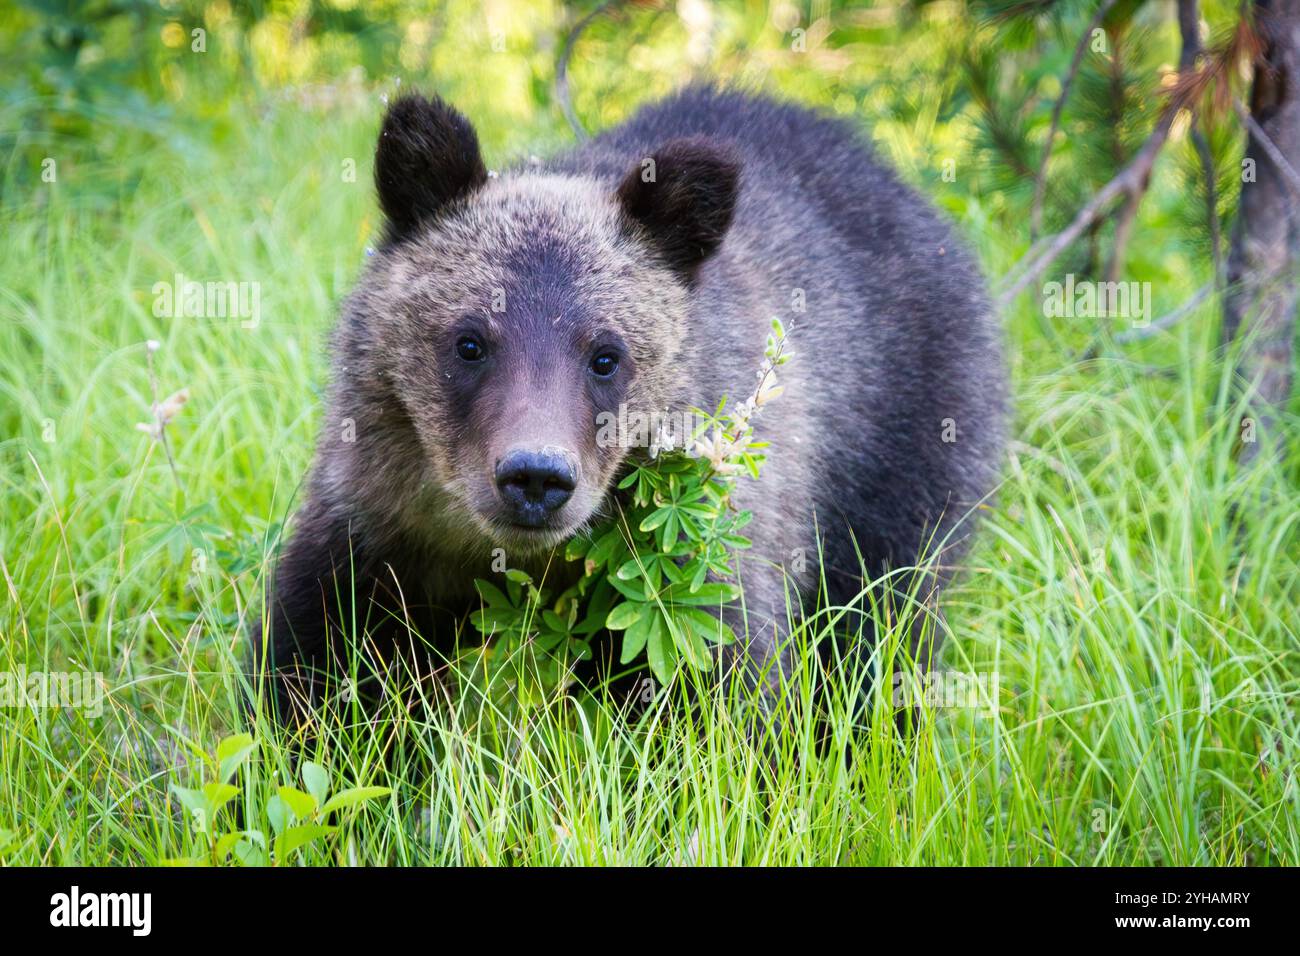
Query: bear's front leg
x=337, y=618
x=294, y=642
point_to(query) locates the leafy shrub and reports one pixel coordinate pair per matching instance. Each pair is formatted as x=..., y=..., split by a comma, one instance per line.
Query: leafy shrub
x=296, y=817
x=658, y=568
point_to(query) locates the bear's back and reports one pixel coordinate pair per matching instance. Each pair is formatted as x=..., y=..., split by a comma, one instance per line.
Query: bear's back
x=894, y=334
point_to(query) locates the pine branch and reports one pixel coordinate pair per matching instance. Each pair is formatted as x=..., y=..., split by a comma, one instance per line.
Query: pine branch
x=1040, y=178
x=1211, y=200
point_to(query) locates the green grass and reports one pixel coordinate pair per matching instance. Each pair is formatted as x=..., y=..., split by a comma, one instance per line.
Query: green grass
x=1134, y=594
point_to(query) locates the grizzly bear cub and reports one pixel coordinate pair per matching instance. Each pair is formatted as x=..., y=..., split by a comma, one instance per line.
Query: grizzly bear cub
x=503, y=314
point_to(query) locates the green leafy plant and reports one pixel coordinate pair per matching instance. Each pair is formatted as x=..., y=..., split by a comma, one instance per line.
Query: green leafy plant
x=661, y=570
x=297, y=817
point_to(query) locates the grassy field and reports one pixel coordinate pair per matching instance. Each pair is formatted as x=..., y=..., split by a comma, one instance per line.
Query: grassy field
x=1129, y=618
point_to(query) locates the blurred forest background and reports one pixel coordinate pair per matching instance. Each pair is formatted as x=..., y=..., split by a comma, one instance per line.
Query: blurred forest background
x=964, y=96
x=971, y=84
x=1140, y=621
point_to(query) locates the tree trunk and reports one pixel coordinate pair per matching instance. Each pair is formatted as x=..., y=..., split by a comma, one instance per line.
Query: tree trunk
x=1261, y=299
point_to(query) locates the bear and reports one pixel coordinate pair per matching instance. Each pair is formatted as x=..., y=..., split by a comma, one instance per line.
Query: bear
x=502, y=315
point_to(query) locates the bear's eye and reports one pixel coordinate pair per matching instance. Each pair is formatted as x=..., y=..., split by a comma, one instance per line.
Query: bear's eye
x=470, y=349
x=604, y=364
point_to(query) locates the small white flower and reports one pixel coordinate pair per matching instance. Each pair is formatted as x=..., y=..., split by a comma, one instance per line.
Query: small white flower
x=768, y=392
x=717, y=450
x=164, y=412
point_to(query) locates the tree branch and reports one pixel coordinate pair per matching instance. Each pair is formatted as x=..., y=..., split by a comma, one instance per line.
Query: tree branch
x=1044, y=252
x=1131, y=181
x=1166, y=321
x=1290, y=176
x=562, y=69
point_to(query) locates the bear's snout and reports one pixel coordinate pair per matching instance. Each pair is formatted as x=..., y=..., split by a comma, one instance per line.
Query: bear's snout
x=535, y=484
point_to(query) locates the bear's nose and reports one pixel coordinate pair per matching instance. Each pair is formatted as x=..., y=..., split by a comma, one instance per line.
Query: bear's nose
x=534, y=484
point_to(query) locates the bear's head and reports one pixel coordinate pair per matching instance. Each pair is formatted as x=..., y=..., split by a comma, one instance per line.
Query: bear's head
x=511, y=315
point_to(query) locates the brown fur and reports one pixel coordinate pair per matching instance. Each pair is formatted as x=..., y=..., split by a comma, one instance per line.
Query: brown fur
x=752, y=205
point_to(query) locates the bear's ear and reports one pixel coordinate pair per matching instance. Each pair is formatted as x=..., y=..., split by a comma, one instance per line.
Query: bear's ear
x=683, y=196
x=427, y=156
